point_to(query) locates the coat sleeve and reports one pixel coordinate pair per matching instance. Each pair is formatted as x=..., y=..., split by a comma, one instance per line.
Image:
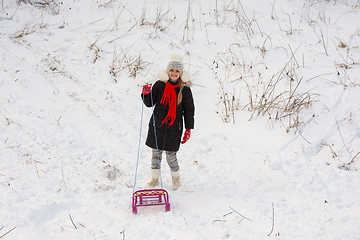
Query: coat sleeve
x=152, y=97
x=188, y=108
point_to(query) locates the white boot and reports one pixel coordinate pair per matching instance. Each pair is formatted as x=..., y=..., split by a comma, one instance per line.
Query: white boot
x=155, y=174
x=175, y=180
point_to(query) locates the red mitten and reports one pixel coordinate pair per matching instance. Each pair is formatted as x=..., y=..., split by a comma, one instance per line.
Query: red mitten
x=186, y=136
x=146, y=89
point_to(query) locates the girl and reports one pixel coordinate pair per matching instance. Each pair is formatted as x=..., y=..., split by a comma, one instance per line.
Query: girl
x=174, y=104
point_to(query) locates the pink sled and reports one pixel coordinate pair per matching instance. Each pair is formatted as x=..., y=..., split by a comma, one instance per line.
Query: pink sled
x=150, y=197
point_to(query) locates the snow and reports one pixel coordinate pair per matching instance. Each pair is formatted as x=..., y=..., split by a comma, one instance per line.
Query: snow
x=71, y=116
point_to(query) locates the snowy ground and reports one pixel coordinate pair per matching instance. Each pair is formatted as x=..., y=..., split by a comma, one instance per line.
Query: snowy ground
x=70, y=119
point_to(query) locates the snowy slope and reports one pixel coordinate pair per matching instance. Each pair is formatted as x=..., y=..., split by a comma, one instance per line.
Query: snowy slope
x=71, y=117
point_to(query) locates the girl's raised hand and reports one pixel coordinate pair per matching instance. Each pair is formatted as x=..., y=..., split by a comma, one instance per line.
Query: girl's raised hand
x=146, y=89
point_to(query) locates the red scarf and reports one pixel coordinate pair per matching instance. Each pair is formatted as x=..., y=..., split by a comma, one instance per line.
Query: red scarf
x=169, y=97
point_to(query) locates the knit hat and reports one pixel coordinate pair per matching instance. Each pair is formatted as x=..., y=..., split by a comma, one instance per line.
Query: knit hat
x=176, y=61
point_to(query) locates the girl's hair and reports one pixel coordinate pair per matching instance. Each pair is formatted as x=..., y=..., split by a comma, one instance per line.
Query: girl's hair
x=181, y=84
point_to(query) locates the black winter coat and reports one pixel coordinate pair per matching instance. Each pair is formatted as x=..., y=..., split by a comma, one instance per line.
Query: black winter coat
x=168, y=137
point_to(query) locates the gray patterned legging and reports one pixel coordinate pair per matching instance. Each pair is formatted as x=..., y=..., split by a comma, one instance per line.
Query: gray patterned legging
x=170, y=158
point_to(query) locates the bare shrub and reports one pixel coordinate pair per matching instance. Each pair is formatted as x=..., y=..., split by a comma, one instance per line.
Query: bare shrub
x=286, y=105
x=228, y=100
x=279, y=98
x=157, y=21
x=233, y=64
x=51, y=5
x=343, y=75
x=134, y=64
x=122, y=61
x=235, y=16
x=105, y=4
x=344, y=153
x=96, y=51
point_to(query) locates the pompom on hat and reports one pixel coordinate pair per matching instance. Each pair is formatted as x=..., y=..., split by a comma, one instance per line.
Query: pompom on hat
x=176, y=61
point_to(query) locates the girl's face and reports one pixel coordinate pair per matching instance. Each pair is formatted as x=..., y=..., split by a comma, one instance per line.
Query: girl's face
x=174, y=74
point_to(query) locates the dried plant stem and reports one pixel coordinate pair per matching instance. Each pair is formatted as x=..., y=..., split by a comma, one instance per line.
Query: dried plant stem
x=323, y=42
x=187, y=26
x=302, y=135
x=342, y=139
x=72, y=221
x=62, y=171
x=240, y=214
x=273, y=220
x=272, y=10
x=7, y=232
x=37, y=170
x=332, y=151
x=352, y=160
x=123, y=234
x=350, y=141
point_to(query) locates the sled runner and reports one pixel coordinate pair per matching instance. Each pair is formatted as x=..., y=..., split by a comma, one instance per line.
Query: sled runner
x=150, y=197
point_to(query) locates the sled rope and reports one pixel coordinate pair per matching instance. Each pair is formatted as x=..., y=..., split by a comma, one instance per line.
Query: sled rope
x=157, y=148
x=138, y=153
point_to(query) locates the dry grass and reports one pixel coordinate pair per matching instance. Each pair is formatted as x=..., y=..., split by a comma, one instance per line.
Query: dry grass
x=28, y=29
x=51, y=5
x=123, y=60
x=345, y=152
x=157, y=22
x=265, y=98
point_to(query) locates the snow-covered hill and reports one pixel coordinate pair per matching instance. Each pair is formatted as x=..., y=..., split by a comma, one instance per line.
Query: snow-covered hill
x=71, y=115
